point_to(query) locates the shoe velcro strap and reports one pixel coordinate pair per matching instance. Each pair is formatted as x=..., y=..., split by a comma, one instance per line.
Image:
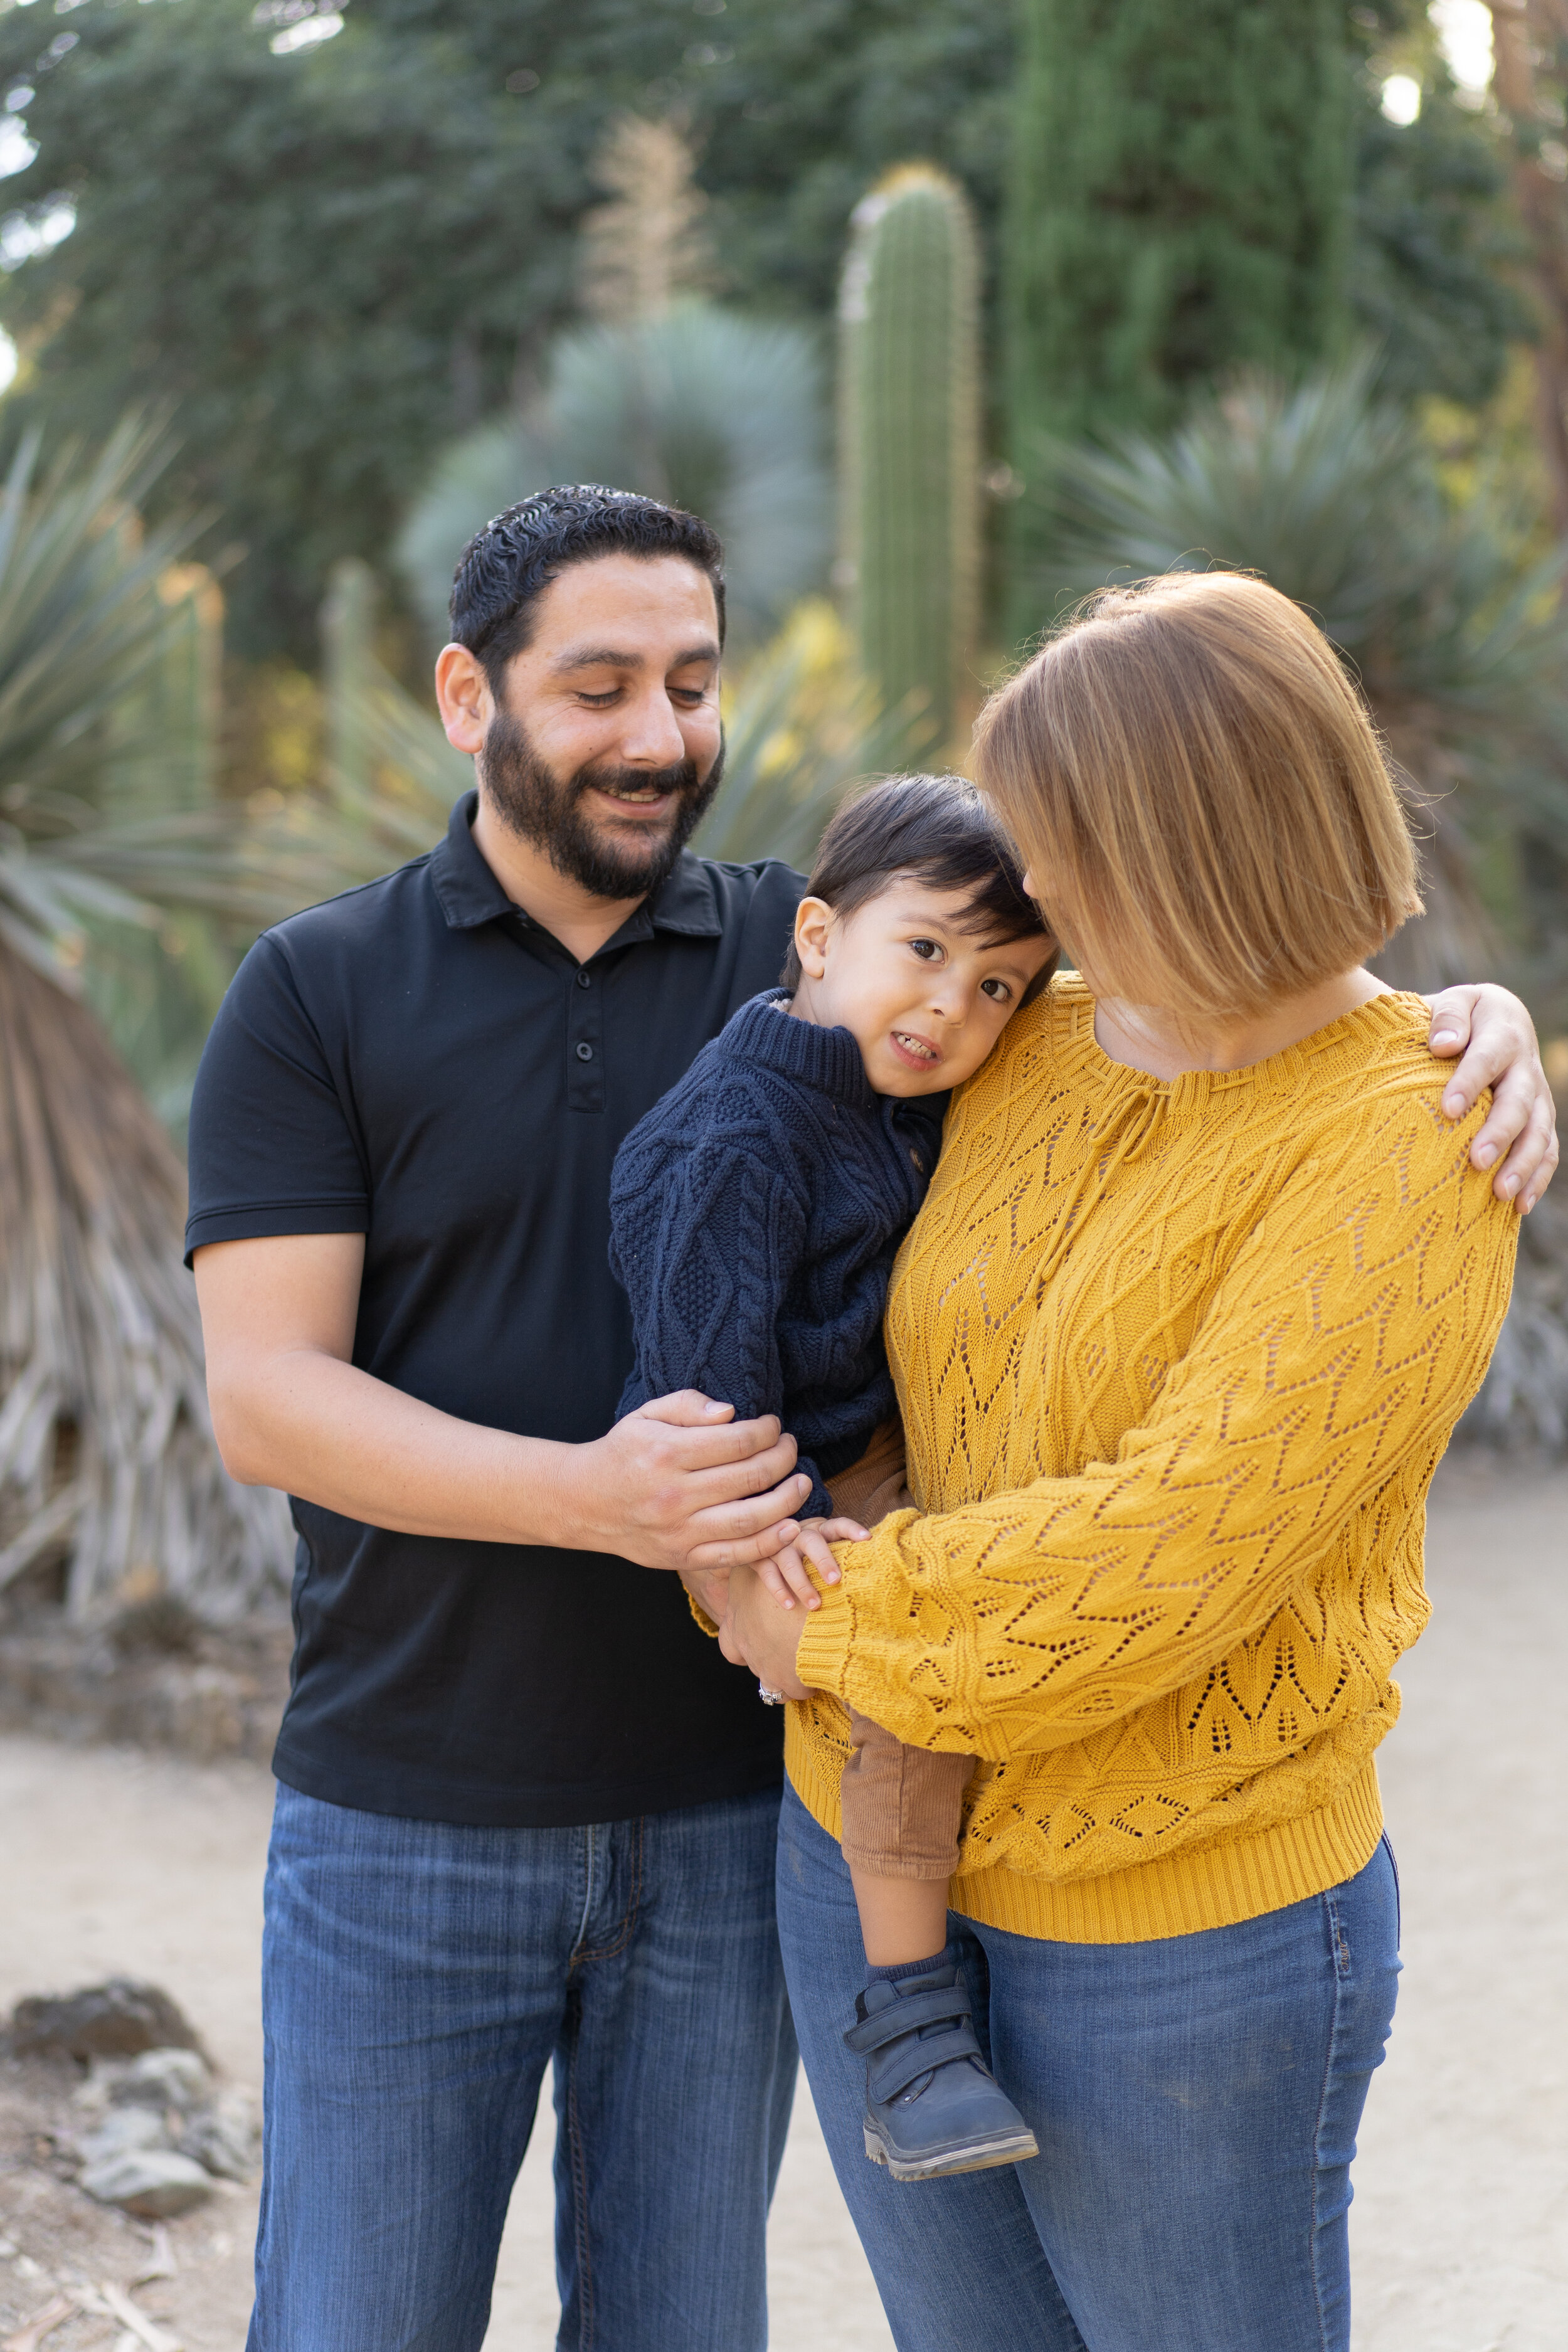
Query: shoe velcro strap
x=906, y=2015
x=888, y=2071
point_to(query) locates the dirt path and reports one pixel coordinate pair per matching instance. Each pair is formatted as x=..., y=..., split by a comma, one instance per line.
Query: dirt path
x=147, y=1866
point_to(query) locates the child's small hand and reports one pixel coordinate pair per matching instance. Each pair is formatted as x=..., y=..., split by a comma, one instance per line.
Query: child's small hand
x=786, y=1574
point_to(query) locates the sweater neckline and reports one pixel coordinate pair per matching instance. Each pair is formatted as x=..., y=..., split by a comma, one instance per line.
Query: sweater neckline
x=1072, y=1017
x=828, y=1059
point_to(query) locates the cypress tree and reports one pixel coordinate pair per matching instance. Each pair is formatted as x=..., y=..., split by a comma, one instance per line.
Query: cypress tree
x=1179, y=203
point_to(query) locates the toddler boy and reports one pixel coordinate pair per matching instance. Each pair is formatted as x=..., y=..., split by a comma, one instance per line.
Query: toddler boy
x=755, y=1216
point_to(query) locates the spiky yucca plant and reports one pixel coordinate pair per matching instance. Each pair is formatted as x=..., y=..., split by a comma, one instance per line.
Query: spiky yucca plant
x=803, y=728
x=107, y=1463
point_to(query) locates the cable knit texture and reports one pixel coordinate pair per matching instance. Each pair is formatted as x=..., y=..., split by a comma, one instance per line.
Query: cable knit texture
x=755, y=1213
x=1177, y=1362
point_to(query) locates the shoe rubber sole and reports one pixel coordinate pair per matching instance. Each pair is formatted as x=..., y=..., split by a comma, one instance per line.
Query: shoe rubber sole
x=1012, y=2147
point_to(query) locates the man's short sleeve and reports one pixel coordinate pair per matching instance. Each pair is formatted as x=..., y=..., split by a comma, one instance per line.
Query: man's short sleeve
x=272, y=1149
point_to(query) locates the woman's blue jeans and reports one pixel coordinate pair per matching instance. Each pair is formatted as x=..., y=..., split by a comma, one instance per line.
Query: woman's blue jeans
x=1196, y=2101
x=418, y=1980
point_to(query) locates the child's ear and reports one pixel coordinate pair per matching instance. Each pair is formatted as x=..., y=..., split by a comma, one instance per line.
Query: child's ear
x=813, y=921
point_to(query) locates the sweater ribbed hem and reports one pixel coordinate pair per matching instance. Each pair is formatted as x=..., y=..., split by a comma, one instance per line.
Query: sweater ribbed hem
x=1181, y=1894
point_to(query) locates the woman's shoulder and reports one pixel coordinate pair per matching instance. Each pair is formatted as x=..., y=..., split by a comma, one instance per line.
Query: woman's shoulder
x=1380, y=1045
x=1378, y=1052
x=1048, y=1059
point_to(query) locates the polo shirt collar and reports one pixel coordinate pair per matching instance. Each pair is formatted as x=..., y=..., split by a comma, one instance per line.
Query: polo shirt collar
x=466, y=890
x=468, y=893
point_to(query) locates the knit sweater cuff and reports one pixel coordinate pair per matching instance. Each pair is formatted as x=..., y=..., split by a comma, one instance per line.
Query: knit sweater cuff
x=702, y=1617
x=823, y=1658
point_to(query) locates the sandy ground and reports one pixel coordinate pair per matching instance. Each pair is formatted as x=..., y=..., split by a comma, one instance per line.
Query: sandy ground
x=112, y=1861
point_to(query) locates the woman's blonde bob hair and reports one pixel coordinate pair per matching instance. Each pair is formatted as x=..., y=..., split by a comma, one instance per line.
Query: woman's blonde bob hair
x=1205, y=809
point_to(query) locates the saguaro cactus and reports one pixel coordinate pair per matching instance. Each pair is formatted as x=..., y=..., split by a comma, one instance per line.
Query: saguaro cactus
x=910, y=441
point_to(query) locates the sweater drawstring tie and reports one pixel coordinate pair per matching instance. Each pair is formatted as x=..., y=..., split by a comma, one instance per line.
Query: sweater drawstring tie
x=1140, y=1113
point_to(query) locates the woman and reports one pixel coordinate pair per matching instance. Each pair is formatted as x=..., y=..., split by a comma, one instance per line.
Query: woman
x=1203, y=1284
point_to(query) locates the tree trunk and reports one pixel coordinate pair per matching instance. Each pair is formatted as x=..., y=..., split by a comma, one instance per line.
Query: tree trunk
x=107, y=1458
x=1529, y=39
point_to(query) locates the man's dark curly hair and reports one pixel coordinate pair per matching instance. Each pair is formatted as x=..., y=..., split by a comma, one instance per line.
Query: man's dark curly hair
x=506, y=568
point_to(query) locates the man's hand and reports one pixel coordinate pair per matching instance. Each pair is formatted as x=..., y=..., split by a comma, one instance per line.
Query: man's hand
x=756, y=1633
x=682, y=1484
x=1497, y=1038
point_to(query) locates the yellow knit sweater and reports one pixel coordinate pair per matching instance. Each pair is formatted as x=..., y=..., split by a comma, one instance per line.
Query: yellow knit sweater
x=1176, y=1363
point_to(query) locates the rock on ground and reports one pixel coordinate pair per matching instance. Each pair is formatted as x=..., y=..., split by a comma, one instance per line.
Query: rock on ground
x=117, y=2019
x=154, y=2182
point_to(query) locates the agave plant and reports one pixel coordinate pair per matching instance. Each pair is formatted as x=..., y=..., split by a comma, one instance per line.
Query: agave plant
x=1458, y=638
x=710, y=411
x=107, y=1462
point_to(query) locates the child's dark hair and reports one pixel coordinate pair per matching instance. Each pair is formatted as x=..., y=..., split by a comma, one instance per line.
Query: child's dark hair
x=940, y=831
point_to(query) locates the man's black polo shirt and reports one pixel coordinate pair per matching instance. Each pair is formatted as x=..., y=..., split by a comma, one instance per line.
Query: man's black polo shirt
x=419, y=1062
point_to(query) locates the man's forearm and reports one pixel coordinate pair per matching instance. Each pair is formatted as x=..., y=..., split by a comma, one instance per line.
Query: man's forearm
x=678, y=1484
x=331, y=1434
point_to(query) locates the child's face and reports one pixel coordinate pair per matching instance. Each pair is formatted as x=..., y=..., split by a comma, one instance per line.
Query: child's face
x=922, y=997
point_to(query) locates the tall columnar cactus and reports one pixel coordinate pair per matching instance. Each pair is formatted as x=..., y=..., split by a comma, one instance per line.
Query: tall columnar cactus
x=910, y=441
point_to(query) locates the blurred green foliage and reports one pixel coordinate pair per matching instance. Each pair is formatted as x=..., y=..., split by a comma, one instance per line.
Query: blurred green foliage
x=336, y=258
x=114, y=878
x=1453, y=624
x=1436, y=245
x=1179, y=205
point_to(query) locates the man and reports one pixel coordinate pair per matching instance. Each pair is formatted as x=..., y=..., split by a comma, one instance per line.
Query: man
x=526, y=1811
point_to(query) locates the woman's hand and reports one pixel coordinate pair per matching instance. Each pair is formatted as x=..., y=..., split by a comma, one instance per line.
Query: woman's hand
x=757, y=1633
x=1497, y=1038
x=709, y=1588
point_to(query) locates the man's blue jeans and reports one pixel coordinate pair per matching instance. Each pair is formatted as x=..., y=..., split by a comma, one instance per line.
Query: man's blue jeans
x=1195, y=2100
x=418, y=1977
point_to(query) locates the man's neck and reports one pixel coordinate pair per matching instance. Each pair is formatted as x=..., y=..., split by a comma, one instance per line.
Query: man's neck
x=580, y=920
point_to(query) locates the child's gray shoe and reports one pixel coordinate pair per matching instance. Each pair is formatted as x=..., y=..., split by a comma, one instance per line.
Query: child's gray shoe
x=930, y=2106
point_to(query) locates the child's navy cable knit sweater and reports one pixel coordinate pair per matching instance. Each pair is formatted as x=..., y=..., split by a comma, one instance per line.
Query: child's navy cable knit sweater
x=754, y=1217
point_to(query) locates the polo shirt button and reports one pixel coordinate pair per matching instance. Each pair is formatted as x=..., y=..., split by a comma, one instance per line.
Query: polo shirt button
x=584, y=1052
x=582, y=980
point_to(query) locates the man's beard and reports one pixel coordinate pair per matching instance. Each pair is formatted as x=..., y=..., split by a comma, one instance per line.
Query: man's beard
x=547, y=810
